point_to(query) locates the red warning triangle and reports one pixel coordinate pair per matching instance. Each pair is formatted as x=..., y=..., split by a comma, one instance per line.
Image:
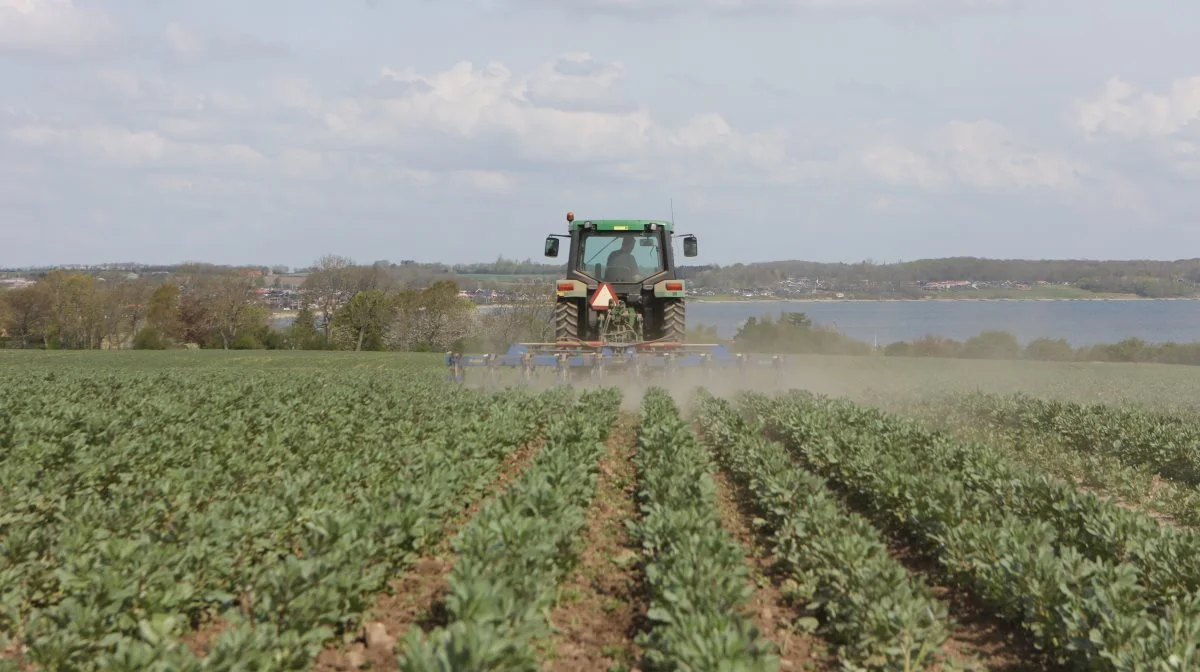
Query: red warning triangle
x=604, y=294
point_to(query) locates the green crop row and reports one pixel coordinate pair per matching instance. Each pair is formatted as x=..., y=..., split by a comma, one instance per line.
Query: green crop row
x=1099, y=466
x=1093, y=585
x=1168, y=444
x=695, y=573
x=1095, y=526
x=134, y=506
x=880, y=618
x=514, y=553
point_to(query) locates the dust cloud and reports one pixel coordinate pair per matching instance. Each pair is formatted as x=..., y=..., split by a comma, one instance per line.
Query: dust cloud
x=886, y=381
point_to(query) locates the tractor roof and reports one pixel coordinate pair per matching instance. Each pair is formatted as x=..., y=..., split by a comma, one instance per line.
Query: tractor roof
x=622, y=224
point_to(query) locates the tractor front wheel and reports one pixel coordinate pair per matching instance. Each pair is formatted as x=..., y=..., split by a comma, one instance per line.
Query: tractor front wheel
x=566, y=320
x=674, y=324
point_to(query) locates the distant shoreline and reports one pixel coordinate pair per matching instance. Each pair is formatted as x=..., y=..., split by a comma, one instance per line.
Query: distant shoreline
x=699, y=299
x=284, y=314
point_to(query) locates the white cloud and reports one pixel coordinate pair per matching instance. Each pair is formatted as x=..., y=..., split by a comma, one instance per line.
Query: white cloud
x=759, y=6
x=490, y=130
x=487, y=181
x=978, y=155
x=486, y=106
x=574, y=81
x=489, y=109
x=189, y=44
x=149, y=93
x=1165, y=126
x=58, y=28
x=125, y=148
x=1121, y=111
x=184, y=42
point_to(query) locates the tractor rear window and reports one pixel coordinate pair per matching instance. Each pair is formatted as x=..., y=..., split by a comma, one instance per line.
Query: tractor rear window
x=621, y=257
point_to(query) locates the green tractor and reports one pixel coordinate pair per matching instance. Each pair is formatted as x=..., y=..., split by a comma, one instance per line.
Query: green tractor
x=621, y=285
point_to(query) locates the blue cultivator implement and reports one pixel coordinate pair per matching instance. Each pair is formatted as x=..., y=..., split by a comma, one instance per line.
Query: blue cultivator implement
x=596, y=361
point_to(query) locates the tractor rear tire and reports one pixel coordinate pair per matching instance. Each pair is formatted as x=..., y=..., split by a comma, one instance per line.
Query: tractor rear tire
x=566, y=320
x=674, y=324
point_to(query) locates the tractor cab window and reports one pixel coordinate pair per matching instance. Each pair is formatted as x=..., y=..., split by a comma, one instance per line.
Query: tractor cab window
x=621, y=256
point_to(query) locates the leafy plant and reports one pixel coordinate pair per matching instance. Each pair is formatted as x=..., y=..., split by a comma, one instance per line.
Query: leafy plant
x=695, y=573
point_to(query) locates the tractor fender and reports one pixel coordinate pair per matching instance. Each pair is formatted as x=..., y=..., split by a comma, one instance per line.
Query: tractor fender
x=570, y=289
x=678, y=289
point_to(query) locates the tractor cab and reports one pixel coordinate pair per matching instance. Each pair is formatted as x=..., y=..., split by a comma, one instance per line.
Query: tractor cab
x=635, y=260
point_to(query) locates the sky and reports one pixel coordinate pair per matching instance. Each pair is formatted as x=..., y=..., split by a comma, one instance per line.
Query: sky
x=274, y=132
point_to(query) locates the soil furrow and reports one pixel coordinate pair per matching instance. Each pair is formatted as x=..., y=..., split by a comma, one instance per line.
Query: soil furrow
x=13, y=653
x=978, y=640
x=416, y=598
x=774, y=616
x=597, y=606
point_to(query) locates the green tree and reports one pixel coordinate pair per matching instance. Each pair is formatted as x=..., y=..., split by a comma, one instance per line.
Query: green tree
x=303, y=332
x=992, y=345
x=434, y=318
x=366, y=314
x=1049, y=350
x=702, y=333
x=163, y=310
x=149, y=338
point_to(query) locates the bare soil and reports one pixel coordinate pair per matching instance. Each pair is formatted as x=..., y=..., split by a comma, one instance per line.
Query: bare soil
x=978, y=640
x=201, y=639
x=598, y=605
x=774, y=616
x=13, y=652
x=417, y=597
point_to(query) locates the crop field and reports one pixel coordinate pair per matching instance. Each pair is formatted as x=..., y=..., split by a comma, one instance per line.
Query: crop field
x=198, y=510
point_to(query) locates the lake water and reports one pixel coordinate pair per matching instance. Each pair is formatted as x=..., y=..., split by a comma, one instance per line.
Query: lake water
x=1079, y=322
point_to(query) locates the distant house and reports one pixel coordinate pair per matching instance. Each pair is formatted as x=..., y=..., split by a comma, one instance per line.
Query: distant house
x=291, y=281
x=947, y=284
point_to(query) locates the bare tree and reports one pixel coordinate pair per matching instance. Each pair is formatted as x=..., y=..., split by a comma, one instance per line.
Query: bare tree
x=518, y=323
x=28, y=310
x=230, y=306
x=432, y=318
x=327, y=286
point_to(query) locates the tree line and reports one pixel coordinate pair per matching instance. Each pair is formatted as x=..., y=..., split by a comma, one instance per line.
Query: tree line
x=349, y=306
x=795, y=333
x=1147, y=278
x=1141, y=277
x=343, y=305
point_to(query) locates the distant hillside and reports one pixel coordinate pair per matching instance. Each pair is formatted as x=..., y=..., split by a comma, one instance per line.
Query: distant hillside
x=911, y=279
x=1144, y=278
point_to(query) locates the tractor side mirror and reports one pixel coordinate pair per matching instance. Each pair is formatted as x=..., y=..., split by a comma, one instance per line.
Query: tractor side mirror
x=551, y=246
x=689, y=246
